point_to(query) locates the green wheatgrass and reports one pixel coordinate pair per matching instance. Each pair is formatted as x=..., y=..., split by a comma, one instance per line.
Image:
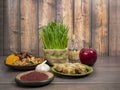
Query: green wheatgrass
x=54, y=35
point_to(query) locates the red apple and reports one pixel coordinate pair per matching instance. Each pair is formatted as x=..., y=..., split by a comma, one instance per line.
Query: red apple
x=88, y=56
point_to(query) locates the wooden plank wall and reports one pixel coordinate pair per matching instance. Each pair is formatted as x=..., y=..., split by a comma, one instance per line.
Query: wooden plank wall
x=28, y=24
x=95, y=23
x=99, y=25
x=114, y=28
x=82, y=19
x=1, y=27
x=11, y=30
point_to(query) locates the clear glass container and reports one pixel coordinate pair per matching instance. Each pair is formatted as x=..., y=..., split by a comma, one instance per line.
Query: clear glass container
x=73, y=53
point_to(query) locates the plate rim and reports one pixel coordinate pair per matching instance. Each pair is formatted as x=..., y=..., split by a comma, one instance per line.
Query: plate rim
x=21, y=67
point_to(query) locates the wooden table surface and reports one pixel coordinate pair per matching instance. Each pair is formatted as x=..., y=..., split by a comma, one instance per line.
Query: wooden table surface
x=106, y=76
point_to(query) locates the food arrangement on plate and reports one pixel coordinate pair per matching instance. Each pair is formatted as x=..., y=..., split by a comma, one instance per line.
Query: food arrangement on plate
x=72, y=69
x=56, y=54
x=23, y=61
x=41, y=72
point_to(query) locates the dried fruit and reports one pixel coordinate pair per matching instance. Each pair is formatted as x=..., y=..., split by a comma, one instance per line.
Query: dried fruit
x=11, y=59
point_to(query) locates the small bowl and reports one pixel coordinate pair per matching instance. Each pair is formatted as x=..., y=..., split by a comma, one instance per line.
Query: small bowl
x=20, y=82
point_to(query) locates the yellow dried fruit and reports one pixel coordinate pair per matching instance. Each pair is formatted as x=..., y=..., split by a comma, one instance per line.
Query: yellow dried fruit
x=11, y=59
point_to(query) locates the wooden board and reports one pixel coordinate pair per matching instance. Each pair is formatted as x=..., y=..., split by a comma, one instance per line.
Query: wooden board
x=29, y=39
x=5, y=27
x=64, y=11
x=1, y=27
x=95, y=23
x=106, y=76
x=13, y=25
x=46, y=14
x=82, y=22
x=114, y=27
x=100, y=26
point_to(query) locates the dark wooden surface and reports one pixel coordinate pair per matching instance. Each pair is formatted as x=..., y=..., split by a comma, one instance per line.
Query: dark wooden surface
x=106, y=76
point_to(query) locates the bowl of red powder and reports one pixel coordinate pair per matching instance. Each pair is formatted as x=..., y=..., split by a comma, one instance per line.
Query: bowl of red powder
x=34, y=78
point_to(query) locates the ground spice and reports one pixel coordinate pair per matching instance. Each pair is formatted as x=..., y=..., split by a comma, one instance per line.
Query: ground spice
x=34, y=76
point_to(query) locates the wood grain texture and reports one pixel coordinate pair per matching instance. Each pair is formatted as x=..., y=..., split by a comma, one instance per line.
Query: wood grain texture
x=82, y=22
x=1, y=27
x=95, y=23
x=6, y=49
x=29, y=39
x=65, y=12
x=13, y=25
x=105, y=76
x=114, y=28
x=46, y=14
x=62, y=86
x=100, y=26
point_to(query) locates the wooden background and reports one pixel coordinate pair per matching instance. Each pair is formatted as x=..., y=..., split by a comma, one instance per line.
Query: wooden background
x=96, y=24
